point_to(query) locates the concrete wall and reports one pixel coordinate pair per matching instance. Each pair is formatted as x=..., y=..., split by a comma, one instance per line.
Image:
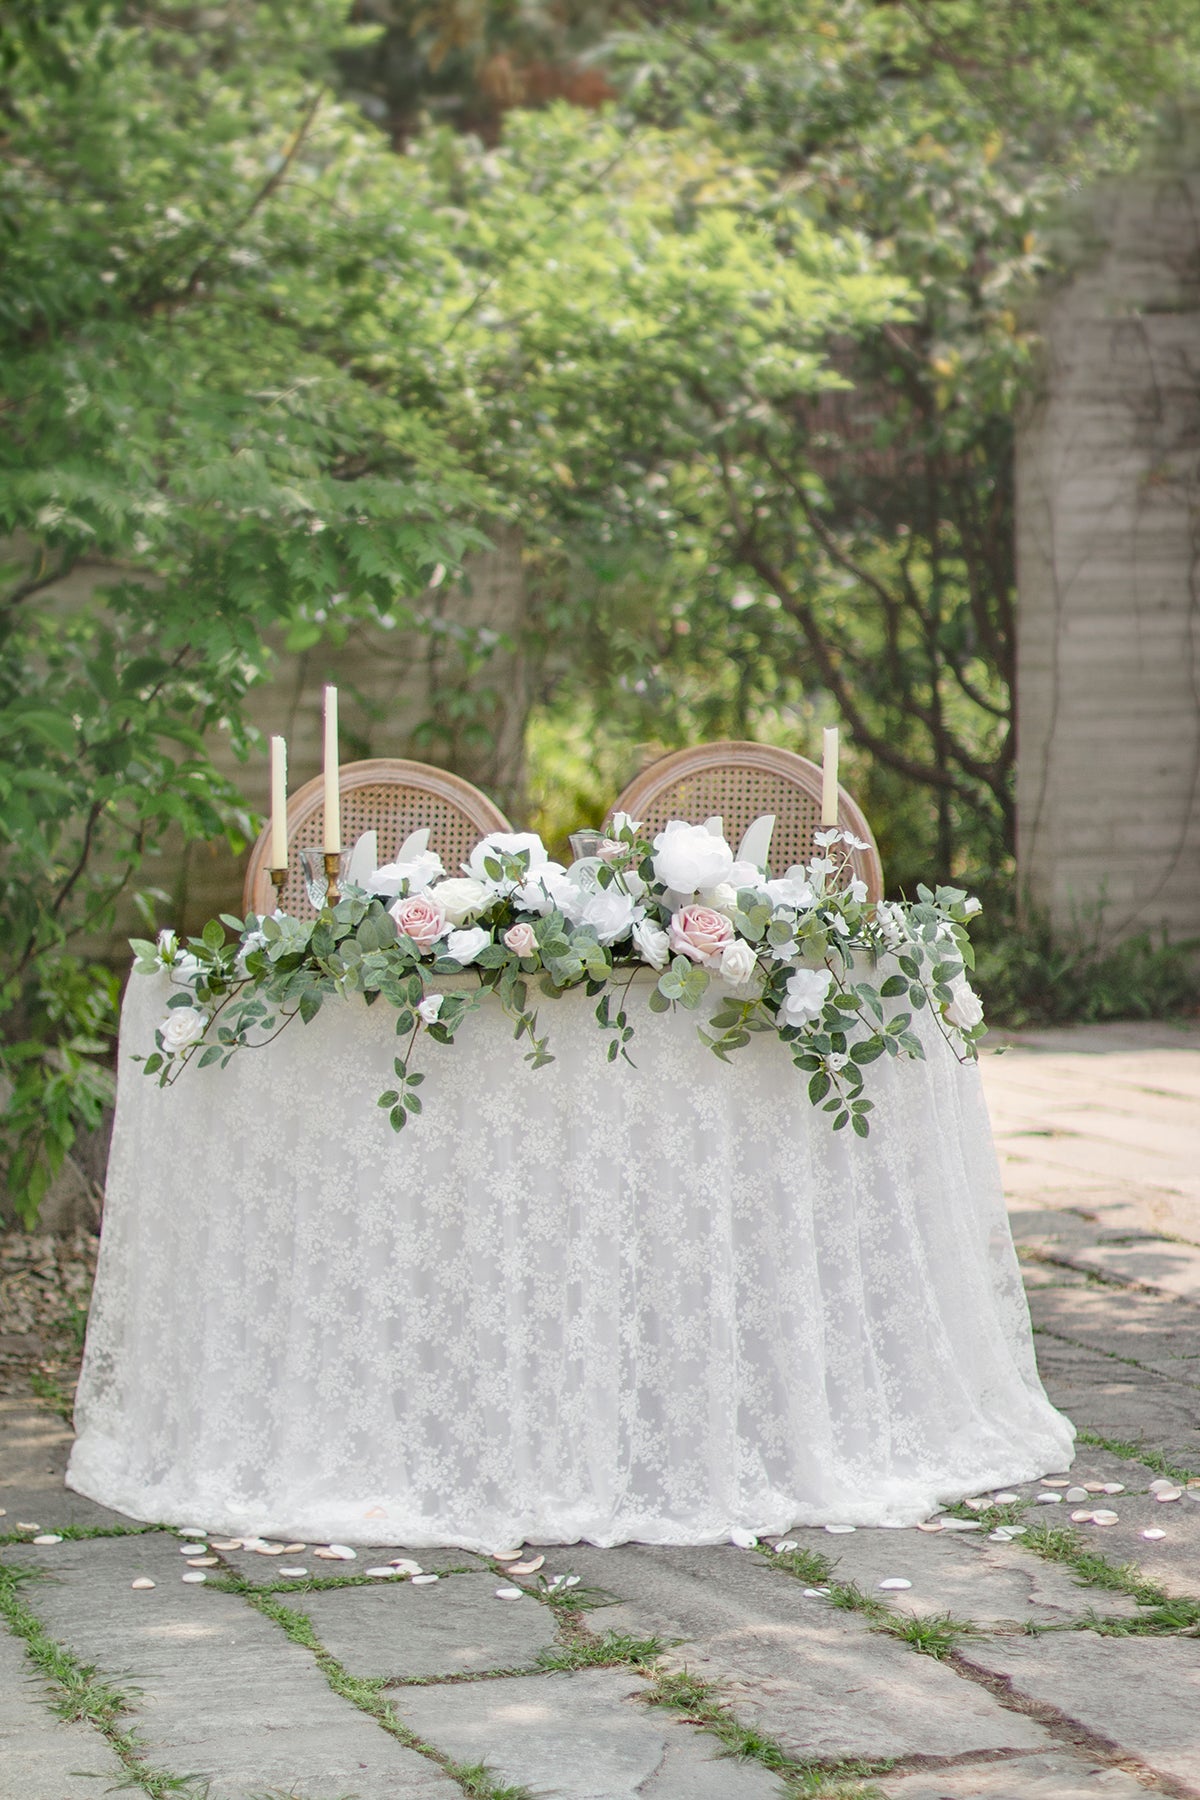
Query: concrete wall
x=1108, y=561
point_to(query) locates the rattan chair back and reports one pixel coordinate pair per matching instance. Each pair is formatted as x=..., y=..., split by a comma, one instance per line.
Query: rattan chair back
x=739, y=782
x=389, y=796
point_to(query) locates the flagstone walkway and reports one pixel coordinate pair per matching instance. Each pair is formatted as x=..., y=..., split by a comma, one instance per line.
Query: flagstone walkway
x=1022, y=1652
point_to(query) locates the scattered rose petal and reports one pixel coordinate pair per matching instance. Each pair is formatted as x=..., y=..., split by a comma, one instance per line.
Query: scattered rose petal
x=1056, y=1481
x=1016, y=1530
x=423, y=1580
x=815, y=1593
x=1104, y=1517
x=1048, y=1499
x=404, y=1565
x=191, y=1531
x=294, y=1549
x=1000, y=1536
x=295, y=1574
x=1165, y=1494
x=191, y=1549
x=1075, y=1495
x=1081, y=1518
x=1004, y=1499
x=270, y=1550
x=336, y=1552
x=572, y=1581
x=202, y=1562
x=384, y=1569
x=787, y=1544
x=505, y=1555
x=894, y=1582
x=976, y=1505
x=1113, y=1487
x=27, y=1525
x=744, y=1540
x=1154, y=1532
x=930, y=1525
x=225, y=1543
x=840, y=1530
x=510, y=1593
x=327, y=1555
x=142, y=1581
x=3, y=1512
x=961, y=1525
x=195, y=1575
x=48, y=1537
x=1159, y=1483
x=526, y=1568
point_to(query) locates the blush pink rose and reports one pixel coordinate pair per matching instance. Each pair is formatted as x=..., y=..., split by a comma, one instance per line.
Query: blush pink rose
x=419, y=918
x=521, y=939
x=699, y=932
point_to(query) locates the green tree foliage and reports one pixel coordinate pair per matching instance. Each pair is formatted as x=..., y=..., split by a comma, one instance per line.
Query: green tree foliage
x=215, y=409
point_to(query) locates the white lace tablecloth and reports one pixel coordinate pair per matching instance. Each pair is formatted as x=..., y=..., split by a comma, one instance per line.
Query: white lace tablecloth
x=583, y=1302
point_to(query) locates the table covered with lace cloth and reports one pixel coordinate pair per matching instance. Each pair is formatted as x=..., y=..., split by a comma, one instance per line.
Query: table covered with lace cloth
x=654, y=1303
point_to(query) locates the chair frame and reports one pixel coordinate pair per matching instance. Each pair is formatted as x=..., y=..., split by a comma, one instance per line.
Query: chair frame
x=257, y=893
x=669, y=771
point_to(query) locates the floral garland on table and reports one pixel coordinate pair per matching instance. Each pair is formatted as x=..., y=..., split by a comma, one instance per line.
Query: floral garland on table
x=787, y=956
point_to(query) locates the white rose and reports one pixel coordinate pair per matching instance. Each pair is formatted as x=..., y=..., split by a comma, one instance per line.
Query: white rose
x=738, y=963
x=182, y=1027
x=609, y=912
x=168, y=944
x=652, y=943
x=805, y=995
x=464, y=946
x=972, y=905
x=430, y=1007
x=689, y=857
x=461, y=899
x=499, y=844
x=623, y=821
x=418, y=872
x=965, y=1010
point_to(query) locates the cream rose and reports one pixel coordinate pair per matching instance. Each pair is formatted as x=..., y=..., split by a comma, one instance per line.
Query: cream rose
x=965, y=1010
x=420, y=918
x=738, y=963
x=521, y=940
x=182, y=1027
x=430, y=1007
x=460, y=898
x=464, y=946
x=652, y=943
x=699, y=932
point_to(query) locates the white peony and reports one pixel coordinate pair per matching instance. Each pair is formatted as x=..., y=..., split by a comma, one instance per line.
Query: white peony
x=464, y=946
x=805, y=995
x=609, y=912
x=652, y=943
x=738, y=963
x=418, y=873
x=791, y=889
x=745, y=875
x=690, y=857
x=549, y=889
x=499, y=844
x=182, y=1027
x=461, y=899
x=429, y=1008
x=965, y=1009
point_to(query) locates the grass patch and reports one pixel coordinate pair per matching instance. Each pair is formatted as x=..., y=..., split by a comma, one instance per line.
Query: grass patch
x=46, y=1388
x=806, y=1565
x=700, y=1704
x=931, y=1634
x=77, y=1533
x=367, y=1694
x=1128, y=1452
x=612, y=1651
x=80, y=1694
x=1163, y=1615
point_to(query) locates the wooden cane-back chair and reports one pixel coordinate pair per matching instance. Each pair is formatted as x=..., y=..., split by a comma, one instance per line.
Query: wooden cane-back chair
x=739, y=782
x=385, y=795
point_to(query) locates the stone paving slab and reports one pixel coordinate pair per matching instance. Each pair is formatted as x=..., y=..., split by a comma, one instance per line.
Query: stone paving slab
x=36, y=1446
x=1137, y=1695
x=1056, y=1776
x=43, y=1757
x=957, y=1572
x=452, y=1627
x=819, y=1682
x=583, y=1736
x=221, y=1689
x=1110, y=1399
x=1158, y=1334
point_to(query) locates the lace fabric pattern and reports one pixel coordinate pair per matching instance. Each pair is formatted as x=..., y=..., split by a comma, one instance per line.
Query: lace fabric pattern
x=594, y=1302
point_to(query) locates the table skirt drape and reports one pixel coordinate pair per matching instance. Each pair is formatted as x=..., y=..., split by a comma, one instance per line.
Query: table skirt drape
x=610, y=1303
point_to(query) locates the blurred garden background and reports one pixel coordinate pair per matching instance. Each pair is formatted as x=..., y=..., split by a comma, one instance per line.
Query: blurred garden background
x=570, y=381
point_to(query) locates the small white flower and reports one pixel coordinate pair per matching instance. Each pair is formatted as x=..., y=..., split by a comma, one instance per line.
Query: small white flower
x=857, y=891
x=792, y=889
x=965, y=1009
x=738, y=963
x=182, y=1027
x=464, y=946
x=835, y=1062
x=430, y=1007
x=652, y=943
x=972, y=905
x=460, y=899
x=892, y=923
x=805, y=995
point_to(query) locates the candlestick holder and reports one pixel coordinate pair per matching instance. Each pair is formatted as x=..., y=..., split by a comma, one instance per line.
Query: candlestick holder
x=334, y=868
x=279, y=880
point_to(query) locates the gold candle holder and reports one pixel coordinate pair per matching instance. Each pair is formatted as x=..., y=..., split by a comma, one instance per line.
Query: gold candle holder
x=333, y=869
x=279, y=880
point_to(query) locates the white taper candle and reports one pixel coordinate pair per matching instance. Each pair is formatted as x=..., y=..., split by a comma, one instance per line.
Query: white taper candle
x=279, y=841
x=333, y=807
x=829, y=778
